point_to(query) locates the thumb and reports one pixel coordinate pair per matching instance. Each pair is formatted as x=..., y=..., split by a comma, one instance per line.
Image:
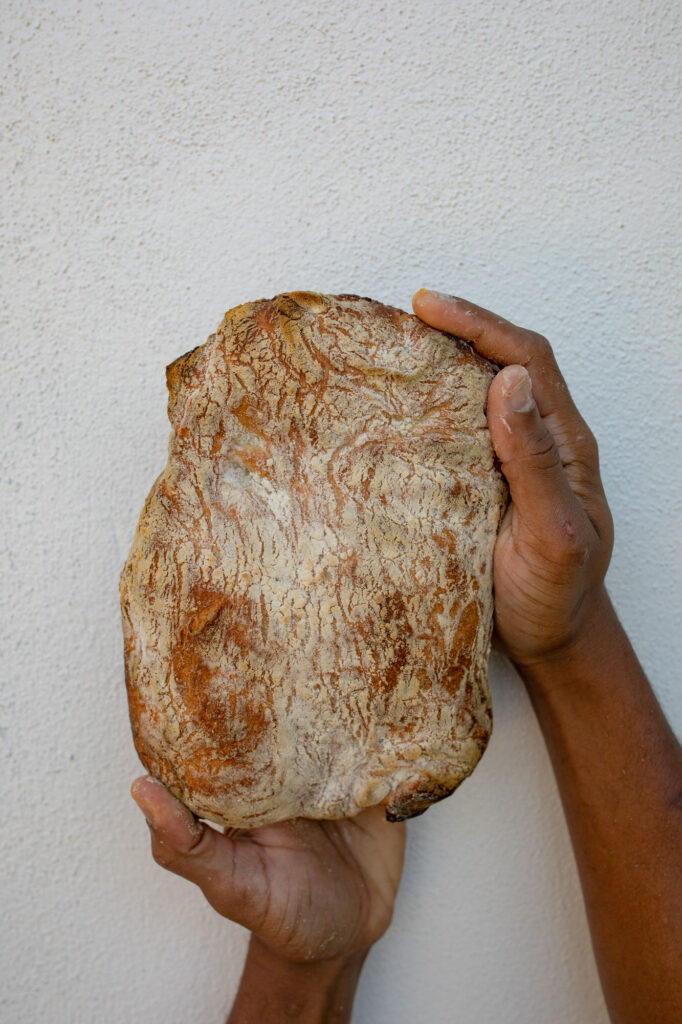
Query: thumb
x=540, y=490
x=227, y=870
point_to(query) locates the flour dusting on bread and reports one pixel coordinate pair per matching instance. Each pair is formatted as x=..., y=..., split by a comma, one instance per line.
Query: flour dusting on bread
x=307, y=604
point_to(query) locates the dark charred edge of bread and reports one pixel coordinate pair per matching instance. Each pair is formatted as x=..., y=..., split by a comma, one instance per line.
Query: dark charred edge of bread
x=415, y=803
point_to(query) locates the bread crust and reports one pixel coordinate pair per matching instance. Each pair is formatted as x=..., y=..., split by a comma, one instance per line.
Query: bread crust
x=307, y=603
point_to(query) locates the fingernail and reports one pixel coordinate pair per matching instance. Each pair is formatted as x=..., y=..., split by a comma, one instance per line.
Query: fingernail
x=441, y=296
x=519, y=390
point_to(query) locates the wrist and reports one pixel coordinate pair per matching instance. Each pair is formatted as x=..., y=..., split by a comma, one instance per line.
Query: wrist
x=274, y=988
x=576, y=663
x=282, y=965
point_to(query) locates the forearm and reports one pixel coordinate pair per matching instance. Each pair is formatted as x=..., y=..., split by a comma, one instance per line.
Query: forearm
x=619, y=771
x=278, y=991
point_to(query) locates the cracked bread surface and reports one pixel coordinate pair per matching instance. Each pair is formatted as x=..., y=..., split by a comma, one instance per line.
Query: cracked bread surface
x=307, y=603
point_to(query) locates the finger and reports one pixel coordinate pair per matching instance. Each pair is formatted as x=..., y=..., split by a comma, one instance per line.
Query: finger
x=227, y=870
x=540, y=490
x=502, y=342
x=168, y=818
x=507, y=344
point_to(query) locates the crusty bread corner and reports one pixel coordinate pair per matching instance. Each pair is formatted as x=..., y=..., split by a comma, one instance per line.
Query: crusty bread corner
x=307, y=604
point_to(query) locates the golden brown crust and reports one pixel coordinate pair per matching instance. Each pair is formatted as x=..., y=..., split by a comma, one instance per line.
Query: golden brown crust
x=307, y=603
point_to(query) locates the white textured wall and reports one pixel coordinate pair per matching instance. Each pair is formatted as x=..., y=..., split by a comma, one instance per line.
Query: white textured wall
x=167, y=160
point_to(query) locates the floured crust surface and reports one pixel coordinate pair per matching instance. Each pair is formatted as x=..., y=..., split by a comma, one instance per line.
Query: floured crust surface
x=307, y=604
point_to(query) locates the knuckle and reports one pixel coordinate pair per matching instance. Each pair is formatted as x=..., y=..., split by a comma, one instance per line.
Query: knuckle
x=542, y=452
x=590, y=446
x=162, y=854
x=571, y=542
x=539, y=345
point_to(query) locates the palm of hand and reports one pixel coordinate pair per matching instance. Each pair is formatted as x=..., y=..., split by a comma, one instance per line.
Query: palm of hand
x=308, y=889
x=322, y=888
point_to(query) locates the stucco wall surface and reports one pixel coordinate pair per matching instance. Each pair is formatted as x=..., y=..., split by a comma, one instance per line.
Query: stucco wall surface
x=164, y=161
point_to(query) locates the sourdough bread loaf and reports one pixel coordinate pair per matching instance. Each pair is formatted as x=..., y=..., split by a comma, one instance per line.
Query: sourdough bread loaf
x=307, y=604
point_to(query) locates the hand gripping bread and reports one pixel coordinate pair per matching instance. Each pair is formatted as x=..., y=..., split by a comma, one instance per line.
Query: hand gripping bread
x=307, y=604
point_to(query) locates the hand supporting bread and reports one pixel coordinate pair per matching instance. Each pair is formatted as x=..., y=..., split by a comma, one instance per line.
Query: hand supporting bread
x=316, y=895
